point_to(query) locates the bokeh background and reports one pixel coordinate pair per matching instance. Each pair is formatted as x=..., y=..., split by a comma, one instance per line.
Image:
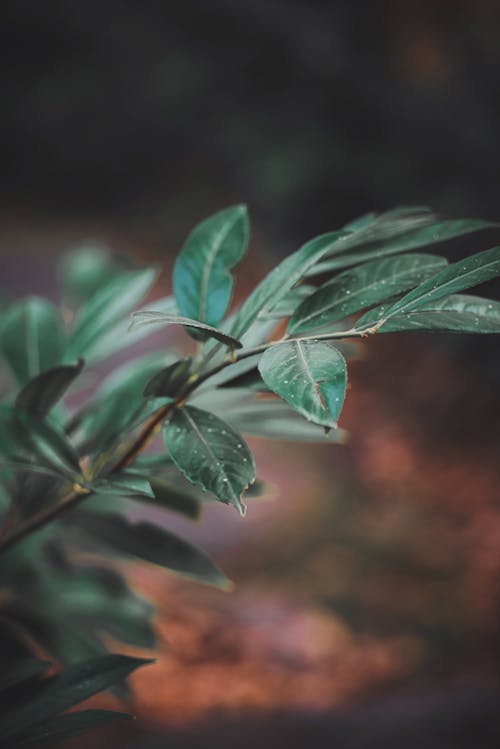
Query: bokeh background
x=366, y=611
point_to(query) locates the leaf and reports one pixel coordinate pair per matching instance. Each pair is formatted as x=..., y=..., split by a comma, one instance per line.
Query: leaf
x=168, y=382
x=21, y=433
x=202, y=280
x=73, y=685
x=66, y=726
x=310, y=376
x=362, y=287
x=123, y=485
x=422, y=236
x=43, y=391
x=150, y=317
x=458, y=313
x=276, y=285
x=21, y=670
x=152, y=544
x=210, y=453
x=86, y=269
x=31, y=338
x=105, y=308
x=176, y=498
x=287, y=306
x=471, y=271
x=273, y=419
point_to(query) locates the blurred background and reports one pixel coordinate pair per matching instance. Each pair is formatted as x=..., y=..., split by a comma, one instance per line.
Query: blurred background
x=367, y=601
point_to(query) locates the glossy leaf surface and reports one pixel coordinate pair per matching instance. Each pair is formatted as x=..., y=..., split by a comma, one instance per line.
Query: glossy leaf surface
x=362, y=287
x=310, y=376
x=150, y=317
x=210, y=453
x=202, y=280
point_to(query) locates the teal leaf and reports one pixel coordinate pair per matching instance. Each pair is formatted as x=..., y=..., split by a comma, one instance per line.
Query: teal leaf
x=287, y=306
x=152, y=544
x=150, y=317
x=22, y=433
x=31, y=338
x=66, y=726
x=73, y=685
x=471, y=271
x=210, y=453
x=105, y=308
x=458, y=313
x=309, y=375
x=421, y=236
x=43, y=391
x=168, y=382
x=202, y=280
x=123, y=484
x=362, y=287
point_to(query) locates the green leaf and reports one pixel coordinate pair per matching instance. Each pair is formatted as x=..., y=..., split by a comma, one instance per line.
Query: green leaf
x=276, y=285
x=150, y=317
x=123, y=485
x=31, y=338
x=310, y=376
x=422, y=236
x=21, y=432
x=459, y=313
x=85, y=270
x=168, y=382
x=105, y=308
x=202, y=280
x=174, y=497
x=152, y=544
x=66, y=726
x=73, y=685
x=362, y=287
x=43, y=391
x=287, y=306
x=471, y=271
x=210, y=453
x=21, y=670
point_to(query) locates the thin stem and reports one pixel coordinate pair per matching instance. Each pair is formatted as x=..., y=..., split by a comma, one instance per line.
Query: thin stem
x=149, y=430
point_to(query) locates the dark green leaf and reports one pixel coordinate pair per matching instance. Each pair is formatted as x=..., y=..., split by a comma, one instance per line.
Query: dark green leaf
x=471, y=271
x=422, y=236
x=362, y=287
x=210, y=453
x=75, y=684
x=21, y=670
x=105, y=308
x=168, y=383
x=150, y=317
x=21, y=432
x=310, y=376
x=202, y=280
x=44, y=390
x=174, y=497
x=31, y=338
x=152, y=544
x=458, y=313
x=66, y=726
x=123, y=484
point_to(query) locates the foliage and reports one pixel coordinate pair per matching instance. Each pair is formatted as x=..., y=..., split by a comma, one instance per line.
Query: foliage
x=75, y=458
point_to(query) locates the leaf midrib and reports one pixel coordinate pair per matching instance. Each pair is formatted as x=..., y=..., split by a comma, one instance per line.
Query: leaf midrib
x=207, y=268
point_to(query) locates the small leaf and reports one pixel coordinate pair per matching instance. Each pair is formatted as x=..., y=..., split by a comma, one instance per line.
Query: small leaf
x=123, y=484
x=421, y=236
x=210, y=453
x=150, y=317
x=31, y=338
x=471, y=271
x=458, y=313
x=43, y=391
x=105, y=308
x=309, y=375
x=362, y=287
x=66, y=726
x=168, y=382
x=202, y=280
x=152, y=544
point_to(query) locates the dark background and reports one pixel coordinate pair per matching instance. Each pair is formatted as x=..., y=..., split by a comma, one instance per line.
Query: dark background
x=131, y=121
